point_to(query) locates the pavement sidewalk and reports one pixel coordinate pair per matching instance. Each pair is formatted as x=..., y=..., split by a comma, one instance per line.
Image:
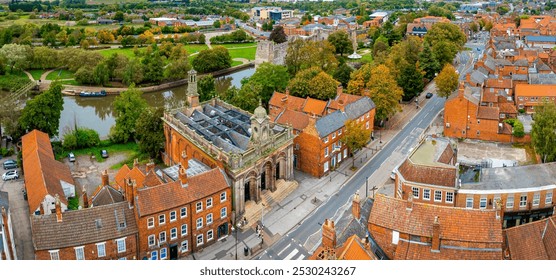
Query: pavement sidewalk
x=309, y=195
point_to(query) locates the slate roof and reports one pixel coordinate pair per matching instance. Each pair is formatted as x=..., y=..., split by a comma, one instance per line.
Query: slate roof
x=85, y=226
x=43, y=173
x=533, y=241
x=106, y=195
x=542, y=78
x=455, y=223
x=330, y=123
x=152, y=200
x=341, y=100
x=478, y=77
x=359, y=107
x=551, y=39
x=515, y=177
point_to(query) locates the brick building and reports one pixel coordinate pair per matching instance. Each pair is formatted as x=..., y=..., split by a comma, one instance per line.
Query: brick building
x=256, y=153
x=532, y=241
x=7, y=243
x=319, y=126
x=420, y=26
x=107, y=232
x=527, y=96
x=408, y=230
x=432, y=174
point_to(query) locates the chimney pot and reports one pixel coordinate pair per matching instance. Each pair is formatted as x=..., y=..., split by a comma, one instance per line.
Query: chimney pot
x=105, y=178
x=355, y=206
x=435, y=246
x=58, y=209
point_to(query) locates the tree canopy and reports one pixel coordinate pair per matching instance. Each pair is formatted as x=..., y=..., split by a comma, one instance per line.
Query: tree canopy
x=447, y=81
x=149, y=131
x=271, y=78
x=314, y=83
x=128, y=106
x=278, y=35
x=211, y=60
x=446, y=40
x=384, y=91
x=43, y=112
x=355, y=136
x=543, y=132
x=341, y=42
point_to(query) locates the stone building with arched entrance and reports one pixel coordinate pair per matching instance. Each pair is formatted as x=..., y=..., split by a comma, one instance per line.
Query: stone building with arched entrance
x=254, y=152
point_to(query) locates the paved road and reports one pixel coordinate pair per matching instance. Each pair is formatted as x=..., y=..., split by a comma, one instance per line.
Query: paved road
x=300, y=241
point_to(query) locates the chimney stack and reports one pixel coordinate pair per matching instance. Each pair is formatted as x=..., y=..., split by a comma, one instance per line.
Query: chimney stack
x=499, y=210
x=183, y=176
x=85, y=197
x=339, y=90
x=105, y=178
x=58, y=209
x=128, y=193
x=328, y=234
x=409, y=203
x=435, y=246
x=136, y=162
x=355, y=206
x=183, y=160
x=149, y=167
x=133, y=192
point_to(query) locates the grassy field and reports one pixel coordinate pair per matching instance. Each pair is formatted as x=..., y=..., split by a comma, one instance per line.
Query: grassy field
x=12, y=82
x=71, y=83
x=248, y=53
x=232, y=46
x=194, y=48
x=60, y=74
x=236, y=63
x=131, y=148
x=37, y=73
x=127, y=52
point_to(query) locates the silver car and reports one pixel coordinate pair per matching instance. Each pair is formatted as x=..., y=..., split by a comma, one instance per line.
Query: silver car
x=10, y=175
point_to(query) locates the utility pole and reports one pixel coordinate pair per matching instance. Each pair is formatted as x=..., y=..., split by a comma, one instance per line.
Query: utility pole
x=366, y=186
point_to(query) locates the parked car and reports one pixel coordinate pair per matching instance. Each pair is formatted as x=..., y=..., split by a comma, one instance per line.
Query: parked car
x=104, y=153
x=429, y=95
x=71, y=157
x=393, y=175
x=10, y=175
x=10, y=164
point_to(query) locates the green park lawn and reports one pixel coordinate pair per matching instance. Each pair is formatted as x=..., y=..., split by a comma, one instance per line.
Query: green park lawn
x=60, y=74
x=37, y=73
x=233, y=46
x=13, y=81
x=247, y=53
x=236, y=63
x=124, y=51
x=195, y=48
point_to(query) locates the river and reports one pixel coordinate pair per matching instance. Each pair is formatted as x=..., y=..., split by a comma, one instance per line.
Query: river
x=98, y=113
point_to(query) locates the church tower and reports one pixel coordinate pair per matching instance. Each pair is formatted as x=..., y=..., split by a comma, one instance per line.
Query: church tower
x=192, y=95
x=260, y=126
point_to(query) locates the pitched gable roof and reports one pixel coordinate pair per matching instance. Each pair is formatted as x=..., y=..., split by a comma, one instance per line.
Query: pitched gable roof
x=314, y=106
x=43, y=173
x=297, y=119
x=488, y=113
x=533, y=241
x=282, y=100
x=121, y=175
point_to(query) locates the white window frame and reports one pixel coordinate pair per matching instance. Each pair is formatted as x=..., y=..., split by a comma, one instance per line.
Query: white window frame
x=325, y=166
x=438, y=192
x=340, y=132
x=199, y=206
x=209, y=219
x=54, y=255
x=163, y=253
x=199, y=223
x=548, y=198
x=154, y=255
x=151, y=240
x=395, y=237
x=173, y=233
x=522, y=203
x=161, y=219
x=483, y=203
x=536, y=199
x=201, y=238
x=150, y=222
x=209, y=202
x=415, y=190
x=184, y=246
x=468, y=201
x=121, y=241
x=223, y=197
x=334, y=135
x=183, y=230
x=162, y=237
x=325, y=151
x=325, y=139
x=426, y=194
x=510, y=202
x=210, y=235
x=183, y=212
x=79, y=253
x=223, y=212
x=101, y=249
x=173, y=213
x=450, y=197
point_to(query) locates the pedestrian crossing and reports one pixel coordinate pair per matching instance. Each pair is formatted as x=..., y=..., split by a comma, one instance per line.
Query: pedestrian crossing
x=291, y=250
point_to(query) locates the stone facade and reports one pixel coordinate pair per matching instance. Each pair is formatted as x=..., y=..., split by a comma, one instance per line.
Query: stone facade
x=268, y=51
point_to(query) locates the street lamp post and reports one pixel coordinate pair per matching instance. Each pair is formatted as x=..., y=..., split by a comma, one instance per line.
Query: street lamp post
x=366, y=186
x=236, y=227
x=262, y=214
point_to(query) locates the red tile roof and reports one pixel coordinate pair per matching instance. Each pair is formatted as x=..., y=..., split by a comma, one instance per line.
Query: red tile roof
x=314, y=106
x=473, y=226
x=120, y=175
x=488, y=113
x=535, y=90
x=353, y=249
x=533, y=241
x=489, y=96
x=43, y=173
x=341, y=100
x=297, y=119
x=281, y=100
x=498, y=83
x=152, y=200
x=418, y=251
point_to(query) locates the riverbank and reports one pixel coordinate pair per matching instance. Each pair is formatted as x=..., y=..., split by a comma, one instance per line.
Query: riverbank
x=75, y=90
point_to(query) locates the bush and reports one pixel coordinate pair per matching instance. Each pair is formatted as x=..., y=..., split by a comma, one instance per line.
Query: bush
x=81, y=138
x=518, y=129
x=6, y=152
x=521, y=111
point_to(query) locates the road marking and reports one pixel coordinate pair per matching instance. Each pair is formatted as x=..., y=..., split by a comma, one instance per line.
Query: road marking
x=293, y=253
x=279, y=253
x=300, y=257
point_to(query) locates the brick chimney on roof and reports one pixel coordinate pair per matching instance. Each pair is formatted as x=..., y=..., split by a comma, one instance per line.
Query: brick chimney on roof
x=409, y=203
x=105, y=178
x=339, y=90
x=183, y=176
x=136, y=162
x=85, y=197
x=149, y=167
x=58, y=209
x=355, y=206
x=328, y=234
x=128, y=191
x=435, y=246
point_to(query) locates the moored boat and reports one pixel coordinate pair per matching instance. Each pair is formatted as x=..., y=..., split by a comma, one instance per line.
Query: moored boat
x=92, y=93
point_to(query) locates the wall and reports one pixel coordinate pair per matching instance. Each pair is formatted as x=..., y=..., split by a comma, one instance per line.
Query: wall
x=90, y=251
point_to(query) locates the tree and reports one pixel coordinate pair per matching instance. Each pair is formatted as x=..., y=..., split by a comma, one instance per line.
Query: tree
x=517, y=127
x=278, y=35
x=355, y=137
x=128, y=106
x=272, y=78
x=410, y=80
x=149, y=131
x=341, y=42
x=85, y=75
x=43, y=112
x=428, y=62
x=384, y=91
x=177, y=69
x=303, y=54
x=15, y=56
x=445, y=39
x=119, y=16
x=101, y=74
x=342, y=74
x=133, y=73
x=206, y=87
x=153, y=67
x=314, y=83
x=247, y=97
x=211, y=60
x=105, y=36
x=543, y=132
x=217, y=24
x=447, y=81
x=359, y=79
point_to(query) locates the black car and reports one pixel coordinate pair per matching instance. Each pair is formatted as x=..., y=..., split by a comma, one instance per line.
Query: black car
x=429, y=95
x=104, y=153
x=10, y=164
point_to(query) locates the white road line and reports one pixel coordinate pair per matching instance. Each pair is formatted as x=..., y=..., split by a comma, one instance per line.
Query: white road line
x=289, y=244
x=300, y=257
x=293, y=253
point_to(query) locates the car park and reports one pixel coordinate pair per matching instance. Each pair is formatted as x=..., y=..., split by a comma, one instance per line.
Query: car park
x=10, y=164
x=71, y=157
x=429, y=95
x=10, y=175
